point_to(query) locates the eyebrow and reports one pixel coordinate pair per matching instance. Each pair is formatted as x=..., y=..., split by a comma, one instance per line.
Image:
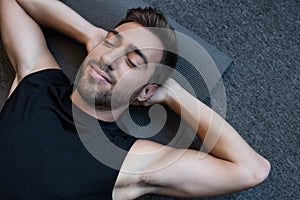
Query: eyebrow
x=134, y=48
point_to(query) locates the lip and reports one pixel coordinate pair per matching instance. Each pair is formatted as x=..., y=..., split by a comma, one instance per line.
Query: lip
x=99, y=74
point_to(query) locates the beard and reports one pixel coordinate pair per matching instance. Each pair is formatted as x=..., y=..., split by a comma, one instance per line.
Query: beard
x=99, y=94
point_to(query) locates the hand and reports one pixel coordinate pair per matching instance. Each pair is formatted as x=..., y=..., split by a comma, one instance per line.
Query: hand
x=97, y=36
x=162, y=95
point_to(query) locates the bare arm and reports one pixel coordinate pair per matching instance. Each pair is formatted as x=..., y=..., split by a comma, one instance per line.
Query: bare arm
x=55, y=14
x=24, y=41
x=223, y=140
x=232, y=164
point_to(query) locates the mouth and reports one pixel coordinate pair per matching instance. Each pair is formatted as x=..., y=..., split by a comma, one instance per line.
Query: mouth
x=99, y=74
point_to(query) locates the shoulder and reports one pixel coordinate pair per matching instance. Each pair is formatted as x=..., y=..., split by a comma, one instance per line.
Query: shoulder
x=146, y=152
x=42, y=79
x=40, y=87
x=143, y=168
x=47, y=77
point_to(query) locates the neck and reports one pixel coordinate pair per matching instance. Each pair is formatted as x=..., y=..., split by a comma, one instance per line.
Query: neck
x=104, y=115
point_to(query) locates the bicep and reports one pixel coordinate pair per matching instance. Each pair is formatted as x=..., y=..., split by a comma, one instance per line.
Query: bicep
x=23, y=40
x=195, y=176
x=185, y=173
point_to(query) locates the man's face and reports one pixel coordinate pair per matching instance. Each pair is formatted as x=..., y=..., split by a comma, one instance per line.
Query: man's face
x=119, y=66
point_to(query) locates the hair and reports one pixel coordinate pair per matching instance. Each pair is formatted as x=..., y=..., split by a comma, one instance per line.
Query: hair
x=152, y=17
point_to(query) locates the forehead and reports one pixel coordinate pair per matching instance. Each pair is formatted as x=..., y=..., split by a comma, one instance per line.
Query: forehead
x=140, y=37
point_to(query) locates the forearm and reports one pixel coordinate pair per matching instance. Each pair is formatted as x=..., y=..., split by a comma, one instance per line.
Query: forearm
x=218, y=136
x=56, y=15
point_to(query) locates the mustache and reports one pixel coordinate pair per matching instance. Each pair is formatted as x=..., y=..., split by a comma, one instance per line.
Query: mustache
x=99, y=64
x=103, y=67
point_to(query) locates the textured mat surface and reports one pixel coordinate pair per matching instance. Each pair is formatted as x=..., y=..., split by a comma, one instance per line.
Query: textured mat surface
x=198, y=63
x=107, y=14
x=263, y=86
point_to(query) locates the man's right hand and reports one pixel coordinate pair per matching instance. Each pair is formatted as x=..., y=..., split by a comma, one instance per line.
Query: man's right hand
x=163, y=94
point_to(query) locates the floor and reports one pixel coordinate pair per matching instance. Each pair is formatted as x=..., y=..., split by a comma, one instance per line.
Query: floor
x=262, y=87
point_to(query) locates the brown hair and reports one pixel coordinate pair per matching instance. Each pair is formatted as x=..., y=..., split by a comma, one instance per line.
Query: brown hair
x=152, y=17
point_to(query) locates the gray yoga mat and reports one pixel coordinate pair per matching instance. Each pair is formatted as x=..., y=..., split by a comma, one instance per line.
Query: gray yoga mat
x=107, y=14
x=200, y=65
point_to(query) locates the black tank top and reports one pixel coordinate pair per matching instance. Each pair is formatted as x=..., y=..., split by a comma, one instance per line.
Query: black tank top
x=42, y=155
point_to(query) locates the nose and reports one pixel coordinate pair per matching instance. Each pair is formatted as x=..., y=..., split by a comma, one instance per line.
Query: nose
x=110, y=60
x=106, y=62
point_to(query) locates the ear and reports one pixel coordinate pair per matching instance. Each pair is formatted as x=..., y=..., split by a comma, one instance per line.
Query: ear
x=146, y=92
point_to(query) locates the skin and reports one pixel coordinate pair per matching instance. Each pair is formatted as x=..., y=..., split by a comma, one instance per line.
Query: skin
x=115, y=57
x=232, y=165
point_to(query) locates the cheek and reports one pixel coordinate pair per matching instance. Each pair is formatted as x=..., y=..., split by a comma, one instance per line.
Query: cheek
x=132, y=80
x=96, y=53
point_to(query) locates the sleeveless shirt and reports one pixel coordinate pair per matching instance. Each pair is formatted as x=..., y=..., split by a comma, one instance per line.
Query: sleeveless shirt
x=42, y=156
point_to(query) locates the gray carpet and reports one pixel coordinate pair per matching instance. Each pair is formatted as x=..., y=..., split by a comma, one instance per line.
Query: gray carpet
x=262, y=86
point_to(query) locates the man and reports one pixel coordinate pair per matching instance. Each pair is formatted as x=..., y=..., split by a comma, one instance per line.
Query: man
x=42, y=156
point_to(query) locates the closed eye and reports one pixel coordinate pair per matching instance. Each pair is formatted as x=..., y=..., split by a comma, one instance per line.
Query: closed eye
x=130, y=62
x=109, y=44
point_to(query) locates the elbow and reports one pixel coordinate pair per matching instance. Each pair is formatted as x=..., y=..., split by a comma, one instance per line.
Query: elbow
x=259, y=173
